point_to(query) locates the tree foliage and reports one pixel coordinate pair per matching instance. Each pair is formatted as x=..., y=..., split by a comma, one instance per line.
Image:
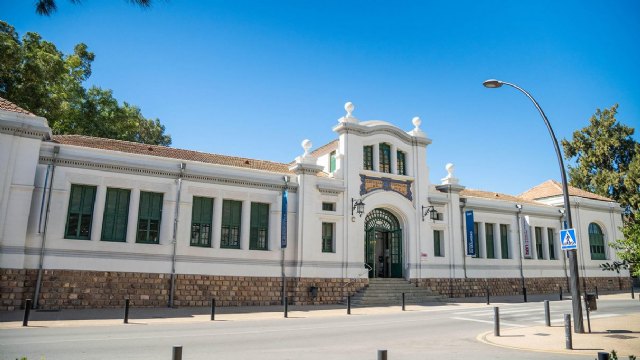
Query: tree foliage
x=48, y=7
x=36, y=76
x=607, y=162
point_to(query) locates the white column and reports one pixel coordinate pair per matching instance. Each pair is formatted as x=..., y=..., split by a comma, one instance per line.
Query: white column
x=376, y=157
x=132, y=221
x=244, y=225
x=216, y=225
x=98, y=213
x=394, y=159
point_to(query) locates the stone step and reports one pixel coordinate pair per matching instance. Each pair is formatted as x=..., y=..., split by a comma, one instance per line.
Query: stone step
x=381, y=291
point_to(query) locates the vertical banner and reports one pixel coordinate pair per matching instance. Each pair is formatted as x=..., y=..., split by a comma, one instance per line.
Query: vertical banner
x=283, y=229
x=526, y=237
x=471, y=246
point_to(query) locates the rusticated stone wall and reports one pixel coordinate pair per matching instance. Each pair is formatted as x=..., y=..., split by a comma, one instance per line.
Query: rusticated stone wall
x=69, y=289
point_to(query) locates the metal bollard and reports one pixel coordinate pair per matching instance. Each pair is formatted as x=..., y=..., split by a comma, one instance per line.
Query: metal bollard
x=403, y=308
x=382, y=354
x=286, y=307
x=633, y=295
x=349, y=305
x=603, y=355
x=27, y=311
x=547, y=313
x=177, y=353
x=586, y=306
x=524, y=293
x=487, y=296
x=597, y=293
x=568, y=343
x=126, y=311
x=213, y=309
x=561, y=293
x=496, y=321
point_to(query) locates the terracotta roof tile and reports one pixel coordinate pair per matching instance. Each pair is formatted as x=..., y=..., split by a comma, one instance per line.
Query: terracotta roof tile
x=497, y=196
x=7, y=105
x=326, y=148
x=168, y=152
x=551, y=188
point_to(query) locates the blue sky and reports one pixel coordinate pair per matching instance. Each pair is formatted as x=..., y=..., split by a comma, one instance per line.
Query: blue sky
x=255, y=78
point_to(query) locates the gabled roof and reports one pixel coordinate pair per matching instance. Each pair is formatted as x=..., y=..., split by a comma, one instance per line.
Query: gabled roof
x=7, y=105
x=167, y=152
x=552, y=188
x=497, y=196
x=326, y=148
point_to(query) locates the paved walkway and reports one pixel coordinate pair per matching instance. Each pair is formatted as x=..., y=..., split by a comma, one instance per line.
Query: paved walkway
x=620, y=333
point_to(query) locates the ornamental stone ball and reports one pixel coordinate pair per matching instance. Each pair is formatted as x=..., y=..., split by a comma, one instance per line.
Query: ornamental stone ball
x=450, y=168
x=306, y=145
x=416, y=122
x=348, y=107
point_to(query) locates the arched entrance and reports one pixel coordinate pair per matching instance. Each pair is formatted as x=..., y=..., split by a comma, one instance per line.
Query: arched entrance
x=383, y=244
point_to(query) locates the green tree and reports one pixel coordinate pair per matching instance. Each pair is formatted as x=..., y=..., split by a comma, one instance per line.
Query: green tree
x=608, y=163
x=36, y=76
x=48, y=7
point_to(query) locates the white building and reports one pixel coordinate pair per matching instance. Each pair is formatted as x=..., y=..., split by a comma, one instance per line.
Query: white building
x=88, y=222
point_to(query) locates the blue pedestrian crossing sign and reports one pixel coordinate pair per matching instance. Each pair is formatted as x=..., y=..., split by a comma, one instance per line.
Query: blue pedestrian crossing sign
x=568, y=239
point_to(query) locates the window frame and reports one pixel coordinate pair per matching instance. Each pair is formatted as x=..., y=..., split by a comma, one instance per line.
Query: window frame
x=328, y=239
x=81, y=211
x=202, y=218
x=504, y=241
x=596, y=237
x=551, y=243
x=151, y=216
x=438, y=243
x=259, y=226
x=328, y=206
x=489, y=236
x=384, y=158
x=539, y=242
x=367, y=157
x=230, y=239
x=401, y=162
x=332, y=161
x=476, y=239
x=116, y=213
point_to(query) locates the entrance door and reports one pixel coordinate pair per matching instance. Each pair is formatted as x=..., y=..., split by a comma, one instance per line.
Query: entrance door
x=383, y=244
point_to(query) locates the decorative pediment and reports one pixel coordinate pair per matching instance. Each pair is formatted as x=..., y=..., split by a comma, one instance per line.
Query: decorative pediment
x=370, y=184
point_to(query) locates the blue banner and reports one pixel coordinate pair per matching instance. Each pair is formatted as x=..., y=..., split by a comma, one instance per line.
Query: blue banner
x=283, y=229
x=471, y=246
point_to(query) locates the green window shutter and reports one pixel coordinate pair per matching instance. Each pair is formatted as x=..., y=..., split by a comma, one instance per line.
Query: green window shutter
x=596, y=242
x=149, y=216
x=401, y=163
x=201, y=214
x=332, y=161
x=490, y=241
x=552, y=250
x=437, y=243
x=116, y=215
x=476, y=236
x=231, y=220
x=327, y=237
x=504, y=241
x=80, y=213
x=367, y=157
x=539, y=253
x=259, y=227
x=385, y=158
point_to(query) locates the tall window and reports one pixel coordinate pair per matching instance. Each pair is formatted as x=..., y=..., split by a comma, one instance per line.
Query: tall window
x=488, y=230
x=552, y=249
x=539, y=253
x=116, y=215
x=438, y=243
x=231, y=217
x=80, y=213
x=327, y=237
x=596, y=242
x=476, y=235
x=385, y=158
x=504, y=241
x=332, y=161
x=402, y=169
x=367, y=157
x=259, y=231
x=201, y=215
x=149, y=215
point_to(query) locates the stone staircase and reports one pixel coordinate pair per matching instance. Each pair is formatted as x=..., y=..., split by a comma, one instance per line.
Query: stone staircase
x=385, y=292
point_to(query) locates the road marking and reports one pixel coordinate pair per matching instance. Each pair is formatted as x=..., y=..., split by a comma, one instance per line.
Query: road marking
x=488, y=322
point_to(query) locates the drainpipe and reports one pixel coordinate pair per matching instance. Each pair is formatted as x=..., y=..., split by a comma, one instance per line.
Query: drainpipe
x=174, y=241
x=36, y=296
x=463, y=203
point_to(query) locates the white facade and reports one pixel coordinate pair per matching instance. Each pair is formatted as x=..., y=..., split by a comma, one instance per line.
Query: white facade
x=34, y=211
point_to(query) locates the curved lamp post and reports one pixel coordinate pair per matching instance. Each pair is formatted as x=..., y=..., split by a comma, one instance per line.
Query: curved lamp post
x=573, y=261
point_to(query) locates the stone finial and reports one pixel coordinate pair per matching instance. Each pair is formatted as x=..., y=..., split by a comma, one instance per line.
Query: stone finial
x=450, y=179
x=306, y=145
x=416, y=122
x=416, y=130
x=348, y=118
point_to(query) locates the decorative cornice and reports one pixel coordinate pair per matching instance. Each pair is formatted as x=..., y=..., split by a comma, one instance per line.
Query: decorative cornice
x=363, y=130
x=306, y=169
x=28, y=126
x=126, y=169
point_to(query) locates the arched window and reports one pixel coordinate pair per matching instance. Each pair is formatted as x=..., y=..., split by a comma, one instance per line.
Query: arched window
x=596, y=242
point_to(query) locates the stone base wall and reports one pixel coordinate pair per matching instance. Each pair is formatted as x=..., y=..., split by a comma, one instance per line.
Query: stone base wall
x=458, y=288
x=71, y=289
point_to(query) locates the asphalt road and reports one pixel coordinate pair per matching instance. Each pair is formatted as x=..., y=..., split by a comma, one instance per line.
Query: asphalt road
x=447, y=333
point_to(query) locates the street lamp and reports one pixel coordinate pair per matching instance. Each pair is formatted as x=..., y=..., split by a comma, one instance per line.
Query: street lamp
x=573, y=260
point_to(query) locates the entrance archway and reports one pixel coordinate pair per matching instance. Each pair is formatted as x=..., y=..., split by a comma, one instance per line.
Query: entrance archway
x=383, y=244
